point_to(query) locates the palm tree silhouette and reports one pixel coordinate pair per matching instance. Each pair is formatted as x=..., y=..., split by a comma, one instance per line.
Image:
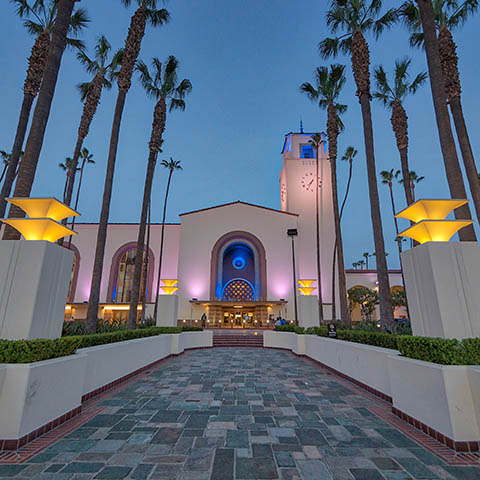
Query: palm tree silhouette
x=392, y=96
x=353, y=18
x=163, y=85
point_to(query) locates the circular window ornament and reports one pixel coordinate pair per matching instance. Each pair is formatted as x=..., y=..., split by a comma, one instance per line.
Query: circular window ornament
x=238, y=263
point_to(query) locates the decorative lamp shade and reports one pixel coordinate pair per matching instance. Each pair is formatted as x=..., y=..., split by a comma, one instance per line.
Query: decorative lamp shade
x=39, y=228
x=307, y=290
x=43, y=208
x=169, y=290
x=169, y=283
x=434, y=230
x=430, y=209
x=306, y=283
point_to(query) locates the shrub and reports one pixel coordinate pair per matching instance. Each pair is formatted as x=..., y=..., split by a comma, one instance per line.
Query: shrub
x=188, y=328
x=123, y=335
x=27, y=351
x=377, y=339
x=74, y=327
x=290, y=327
x=441, y=350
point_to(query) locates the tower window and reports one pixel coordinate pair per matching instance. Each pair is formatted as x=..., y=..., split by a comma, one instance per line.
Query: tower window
x=306, y=151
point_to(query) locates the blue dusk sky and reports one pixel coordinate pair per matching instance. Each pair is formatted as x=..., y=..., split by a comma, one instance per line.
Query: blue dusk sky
x=246, y=61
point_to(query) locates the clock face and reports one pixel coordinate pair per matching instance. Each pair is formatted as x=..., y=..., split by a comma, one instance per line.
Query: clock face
x=283, y=192
x=308, y=182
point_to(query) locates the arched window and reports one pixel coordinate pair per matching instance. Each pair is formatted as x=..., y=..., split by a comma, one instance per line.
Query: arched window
x=121, y=274
x=238, y=290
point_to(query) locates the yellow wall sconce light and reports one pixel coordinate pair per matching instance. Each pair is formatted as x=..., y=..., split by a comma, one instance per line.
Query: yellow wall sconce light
x=429, y=220
x=45, y=215
x=169, y=287
x=306, y=286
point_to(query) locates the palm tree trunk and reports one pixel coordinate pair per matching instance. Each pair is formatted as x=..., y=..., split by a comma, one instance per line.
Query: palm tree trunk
x=342, y=284
x=399, y=121
x=76, y=199
x=447, y=143
x=466, y=149
x=332, y=131
x=16, y=151
x=73, y=171
x=386, y=311
x=160, y=257
x=28, y=167
x=4, y=171
x=139, y=259
x=317, y=224
x=92, y=312
x=146, y=264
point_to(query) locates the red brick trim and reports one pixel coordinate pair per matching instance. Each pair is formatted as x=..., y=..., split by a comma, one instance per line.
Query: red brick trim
x=458, y=446
x=9, y=445
x=16, y=444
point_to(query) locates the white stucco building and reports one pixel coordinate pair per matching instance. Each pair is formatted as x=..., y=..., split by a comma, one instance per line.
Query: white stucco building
x=233, y=262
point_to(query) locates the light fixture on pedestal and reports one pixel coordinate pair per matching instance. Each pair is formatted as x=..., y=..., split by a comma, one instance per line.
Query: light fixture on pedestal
x=45, y=217
x=306, y=286
x=169, y=287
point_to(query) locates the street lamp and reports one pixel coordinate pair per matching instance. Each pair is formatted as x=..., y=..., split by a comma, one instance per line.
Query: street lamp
x=292, y=233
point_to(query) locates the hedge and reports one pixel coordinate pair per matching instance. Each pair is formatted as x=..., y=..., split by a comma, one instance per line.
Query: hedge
x=28, y=351
x=290, y=327
x=434, y=350
x=377, y=339
x=441, y=350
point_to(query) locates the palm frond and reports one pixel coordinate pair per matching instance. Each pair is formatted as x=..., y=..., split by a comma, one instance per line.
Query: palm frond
x=176, y=104
x=158, y=17
x=84, y=89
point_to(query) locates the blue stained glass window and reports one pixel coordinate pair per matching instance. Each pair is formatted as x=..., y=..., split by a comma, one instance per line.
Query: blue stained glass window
x=306, y=151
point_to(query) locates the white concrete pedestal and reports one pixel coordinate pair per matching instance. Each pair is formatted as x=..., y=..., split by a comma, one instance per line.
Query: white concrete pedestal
x=167, y=314
x=442, y=281
x=308, y=311
x=34, y=283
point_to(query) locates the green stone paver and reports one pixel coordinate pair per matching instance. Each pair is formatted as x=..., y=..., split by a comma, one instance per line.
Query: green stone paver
x=236, y=414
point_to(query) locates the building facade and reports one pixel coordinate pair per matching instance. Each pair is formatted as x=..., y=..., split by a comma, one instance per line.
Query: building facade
x=235, y=262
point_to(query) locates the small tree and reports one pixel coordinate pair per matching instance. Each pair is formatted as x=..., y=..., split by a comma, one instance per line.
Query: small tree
x=366, y=298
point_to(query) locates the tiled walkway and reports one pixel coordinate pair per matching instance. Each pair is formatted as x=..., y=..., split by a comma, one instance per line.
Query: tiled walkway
x=226, y=414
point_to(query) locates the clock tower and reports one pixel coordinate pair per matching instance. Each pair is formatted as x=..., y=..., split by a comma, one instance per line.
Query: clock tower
x=297, y=195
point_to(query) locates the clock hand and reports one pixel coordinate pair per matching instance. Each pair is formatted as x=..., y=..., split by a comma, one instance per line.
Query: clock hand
x=310, y=182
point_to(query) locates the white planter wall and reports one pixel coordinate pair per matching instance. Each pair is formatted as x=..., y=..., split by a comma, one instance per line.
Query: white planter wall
x=364, y=363
x=195, y=340
x=272, y=339
x=438, y=395
x=106, y=363
x=34, y=394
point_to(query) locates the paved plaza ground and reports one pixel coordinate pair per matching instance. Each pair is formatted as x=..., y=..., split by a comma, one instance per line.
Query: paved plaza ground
x=241, y=413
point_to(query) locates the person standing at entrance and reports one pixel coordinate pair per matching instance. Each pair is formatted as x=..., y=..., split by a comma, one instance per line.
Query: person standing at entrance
x=204, y=319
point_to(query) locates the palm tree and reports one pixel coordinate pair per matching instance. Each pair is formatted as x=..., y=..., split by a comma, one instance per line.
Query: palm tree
x=146, y=11
x=354, y=18
x=392, y=97
x=388, y=176
x=316, y=141
x=40, y=21
x=6, y=159
x=425, y=16
x=413, y=179
x=66, y=167
x=366, y=255
x=162, y=85
x=361, y=264
x=86, y=158
x=172, y=165
x=348, y=156
x=103, y=73
x=328, y=85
